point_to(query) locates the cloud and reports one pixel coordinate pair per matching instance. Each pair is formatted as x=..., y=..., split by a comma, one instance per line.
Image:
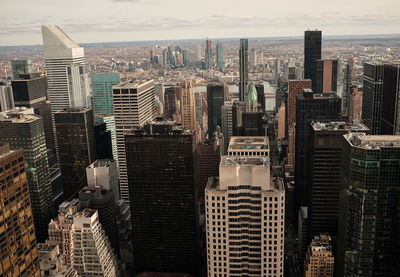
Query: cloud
x=126, y=1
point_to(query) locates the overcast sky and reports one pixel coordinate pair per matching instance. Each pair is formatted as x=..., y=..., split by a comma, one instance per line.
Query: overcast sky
x=130, y=20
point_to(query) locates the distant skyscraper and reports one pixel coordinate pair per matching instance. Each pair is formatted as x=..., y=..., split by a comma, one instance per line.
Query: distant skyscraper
x=216, y=93
x=185, y=97
x=134, y=105
x=18, y=255
x=253, y=58
x=6, y=98
x=29, y=92
x=355, y=103
x=327, y=73
x=163, y=198
x=25, y=131
x=76, y=146
x=369, y=230
x=220, y=55
x=208, y=55
x=102, y=92
x=170, y=102
x=312, y=53
x=245, y=179
x=243, y=68
x=21, y=67
x=372, y=96
x=277, y=70
x=65, y=62
x=260, y=96
x=319, y=260
x=310, y=106
x=390, y=112
x=226, y=119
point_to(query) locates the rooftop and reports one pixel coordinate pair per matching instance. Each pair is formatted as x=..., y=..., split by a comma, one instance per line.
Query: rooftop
x=321, y=243
x=132, y=84
x=101, y=163
x=46, y=247
x=74, y=110
x=247, y=143
x=339, y=126
x=240, y=160
x=365, y=141
x=19, y=115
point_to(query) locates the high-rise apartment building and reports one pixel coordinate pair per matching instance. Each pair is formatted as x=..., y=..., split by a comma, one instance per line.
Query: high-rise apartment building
x=220, y=55
x=134, y=105
x=372, y=96
x=102, y=94
x=21, y=67
x=76, y=146
x=368, y=228
x=208, y=55
x=216, y=93
x=310, y=106
x=245, y=211
x=243, y=68
x=24, y=130
x=163, y=198
x=319, y=261
x=18, y=255
x=312, y=53
x=390, y=111
x=185, y=97
x=327, y=76
x=6, y=97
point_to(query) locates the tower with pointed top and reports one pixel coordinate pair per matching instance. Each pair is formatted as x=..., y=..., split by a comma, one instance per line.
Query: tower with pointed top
x=251, y=104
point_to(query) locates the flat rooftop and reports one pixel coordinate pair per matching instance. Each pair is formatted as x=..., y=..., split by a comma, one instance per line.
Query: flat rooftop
x=19, y=115
x=46, y=247
x=339, y=126
x=248, y=143
x=101, y=163
x=240, y=160
x=365, y=141
x=132, y=84
x=73, y=110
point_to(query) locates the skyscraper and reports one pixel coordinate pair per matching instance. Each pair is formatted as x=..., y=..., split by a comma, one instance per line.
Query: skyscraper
x=18, y=255
x=163, y=198
x=355, y=103
x=65, y=62
x=233, y=230
x=253, y=58
x=6, y=97
x=226, y=119
x=390, y=112
x=243, y=68
x=277, y=70
x=216, y=93
x=220, y=55
x=372, y=96
x=102, y=96
x=21, y=67
x=312, y=53
x=208, y=55
x=24, y=130
x=327, y=76
x=29, y=92
x=319, y=261
x=368, y=230
x=76, y=146
x=295, y=87
x=310, y=106
x=185, y=97
x=134, y=105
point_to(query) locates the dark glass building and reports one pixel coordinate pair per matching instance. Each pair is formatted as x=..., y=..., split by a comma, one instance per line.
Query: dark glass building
x=312, y=53
x=310, y=106
x=390, y=112
x=260, y=96
x=76, y=146
x=170, y=102
x=216, y=93
x=327, y=73
x=103, y=142
x=243, y=68
x=372, y=96
x=368, y=226
x=163, y=198
x=29, y=92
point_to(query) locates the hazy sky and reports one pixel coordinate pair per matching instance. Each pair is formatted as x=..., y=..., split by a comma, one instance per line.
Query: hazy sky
x=130, y=20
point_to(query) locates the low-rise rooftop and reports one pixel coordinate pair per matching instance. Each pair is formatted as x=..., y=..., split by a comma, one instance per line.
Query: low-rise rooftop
x=365, y=141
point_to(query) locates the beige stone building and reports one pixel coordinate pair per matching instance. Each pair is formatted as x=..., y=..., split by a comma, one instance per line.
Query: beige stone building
x=319, y=260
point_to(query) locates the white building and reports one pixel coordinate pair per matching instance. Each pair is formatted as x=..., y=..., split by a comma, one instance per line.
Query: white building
x=51, y=262
x=134, y=105
x=6, y=98
x=103, y=173
x=245, y=212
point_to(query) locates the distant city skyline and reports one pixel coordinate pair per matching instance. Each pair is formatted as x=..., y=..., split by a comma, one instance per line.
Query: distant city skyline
x=141, y=20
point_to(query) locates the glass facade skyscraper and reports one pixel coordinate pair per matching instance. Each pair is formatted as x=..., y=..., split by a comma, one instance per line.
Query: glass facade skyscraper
x=312, y=53
x=102, y=92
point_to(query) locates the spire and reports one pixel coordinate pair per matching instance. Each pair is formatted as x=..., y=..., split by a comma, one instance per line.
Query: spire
x=252, y=98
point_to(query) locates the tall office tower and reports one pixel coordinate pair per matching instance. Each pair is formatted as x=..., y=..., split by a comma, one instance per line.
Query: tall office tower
x=390, y=114
x=243, y=68
x=163, y=198
x=51, y=262
x=65, y=62
x=226, y=118
x=295, y=87
x=260, y=96
x=198, y=52
x=216, y=93
x=134, y=105
x=185, y=97
x=277, y=70
x=198, y=97
x=252, y=119
x=347, y=83
x=238, y=108
x=355, y=103
x=319, y=261
x=29, y=92
x=220, y=55
x=76, y=146
x=18, y=256
x=368, y=230
x=281, y=92
x=372, y=96
x=312, y=53
x=170, y=102
x=208, y=55
x=325, y=167
x=25, y=131
x=6, y=98
x=327, y=76
x=207, y=158
x=253, y=58
x=21, y=67
x=102, y=96
x=245, y=188
x=45, y=112
x=109, y=121
x=281, y=122
x=291, y=132
x=310, y=106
